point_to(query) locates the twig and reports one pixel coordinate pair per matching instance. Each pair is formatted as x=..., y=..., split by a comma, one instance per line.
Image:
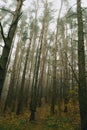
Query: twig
x=7, y=10
x=2, y=33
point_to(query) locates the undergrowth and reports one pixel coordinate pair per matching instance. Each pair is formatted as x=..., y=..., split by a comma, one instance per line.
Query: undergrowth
x=44, y=120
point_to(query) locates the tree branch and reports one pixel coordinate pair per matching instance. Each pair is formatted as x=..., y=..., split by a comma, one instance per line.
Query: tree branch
x=7, y=10
x=2, y=33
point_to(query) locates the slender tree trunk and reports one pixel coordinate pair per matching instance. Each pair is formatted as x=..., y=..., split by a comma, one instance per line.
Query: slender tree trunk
x=33, y=102
x=44, y=54
x=47, y=83
x=53, y=101
x=40, y=85
x=21, y=91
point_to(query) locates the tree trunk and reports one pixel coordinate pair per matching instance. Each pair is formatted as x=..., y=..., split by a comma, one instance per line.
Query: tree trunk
x=54, y=88
x=33, y=102
x=81, y=67
x=21, y=91
x=8, y=42
x=11, y=90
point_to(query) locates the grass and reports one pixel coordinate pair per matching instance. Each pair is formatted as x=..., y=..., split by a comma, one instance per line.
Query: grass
x=44, y=121
x=46, y=124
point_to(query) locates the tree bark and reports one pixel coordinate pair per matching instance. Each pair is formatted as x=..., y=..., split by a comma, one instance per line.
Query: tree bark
x=33, y=102
x=8, y=42
x=81, y=67
x=21, y=91
x=54, y=88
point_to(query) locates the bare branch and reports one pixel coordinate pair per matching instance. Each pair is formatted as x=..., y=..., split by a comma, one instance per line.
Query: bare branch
x=73, y=14
x=2, y=33
x=7, y=10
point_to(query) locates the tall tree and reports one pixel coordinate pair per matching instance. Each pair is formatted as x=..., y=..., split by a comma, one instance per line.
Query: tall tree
x=21, y=91
x=55, y=62
x=8, y=42
x=81, y=67
x=33, y=102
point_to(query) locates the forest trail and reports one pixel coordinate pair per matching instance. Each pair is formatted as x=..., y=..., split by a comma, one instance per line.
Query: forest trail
x=44, y=120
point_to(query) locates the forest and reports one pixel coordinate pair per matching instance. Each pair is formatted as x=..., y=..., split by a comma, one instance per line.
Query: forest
x=43, y=59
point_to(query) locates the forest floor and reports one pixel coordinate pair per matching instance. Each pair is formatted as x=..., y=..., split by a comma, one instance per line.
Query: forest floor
x=44, y=120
